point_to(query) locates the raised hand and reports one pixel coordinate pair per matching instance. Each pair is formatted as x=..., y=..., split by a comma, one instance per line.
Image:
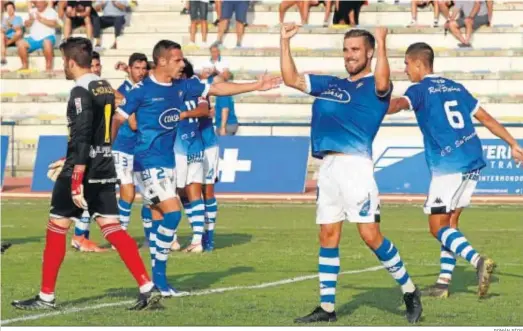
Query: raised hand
x=289, y=30
x=268, y=82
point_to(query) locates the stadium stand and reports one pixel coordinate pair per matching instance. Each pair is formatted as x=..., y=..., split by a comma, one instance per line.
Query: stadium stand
x=492, y=70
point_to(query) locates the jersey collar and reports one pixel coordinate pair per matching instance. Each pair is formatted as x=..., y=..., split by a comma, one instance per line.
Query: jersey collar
x=151, y=76
x=370, y=74
x=430, y=76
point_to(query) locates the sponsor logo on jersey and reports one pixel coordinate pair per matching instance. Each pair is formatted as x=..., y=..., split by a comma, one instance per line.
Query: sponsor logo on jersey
x=336, y=95
x=78, y=105
x=169, y=119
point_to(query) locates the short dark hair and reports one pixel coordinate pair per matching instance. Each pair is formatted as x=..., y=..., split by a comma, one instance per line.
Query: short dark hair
x=9, y=3
x=150, y=65
x=423, y=52
x=78, y=49
x=161, y=47
x=367, y=36
x=136, y=57
x=95, y=56
x=188, y=70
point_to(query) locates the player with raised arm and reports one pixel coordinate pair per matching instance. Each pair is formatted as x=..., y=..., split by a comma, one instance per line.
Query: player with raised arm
x=157, y=102
x=87, y=180
x=444, y=111
x=346, y=116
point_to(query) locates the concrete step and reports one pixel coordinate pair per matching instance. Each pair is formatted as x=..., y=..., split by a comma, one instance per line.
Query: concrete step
x=317, y=37
x=39, y=110
x=479, y=83
x=330, y=60
x=386, y=15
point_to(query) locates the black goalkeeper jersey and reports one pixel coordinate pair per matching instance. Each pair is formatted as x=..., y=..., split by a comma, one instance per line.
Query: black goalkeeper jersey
x=89, y=113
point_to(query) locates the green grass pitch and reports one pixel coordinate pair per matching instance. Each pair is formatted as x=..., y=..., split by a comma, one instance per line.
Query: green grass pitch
x=263, y=243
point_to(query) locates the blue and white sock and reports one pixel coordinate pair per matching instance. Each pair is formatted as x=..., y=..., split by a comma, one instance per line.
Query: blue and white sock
x=197, y=220
x=147, y=221
x=81, y=226
x=390, y=258
x=152, y=240
x=164, y=240
x=211, y=212
x=456, y=242
x=448, y=262
x=328, y=268
x=125, y=213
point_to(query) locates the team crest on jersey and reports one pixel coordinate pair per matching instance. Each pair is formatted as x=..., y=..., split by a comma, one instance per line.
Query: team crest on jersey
x=78, y=105
x=360, y=84
x=335, y=94
x=123, y=102
x=169, y=119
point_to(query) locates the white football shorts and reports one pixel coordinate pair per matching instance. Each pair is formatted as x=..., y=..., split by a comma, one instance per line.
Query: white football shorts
x=156, y=184
x=188, y=173
x=211, y=158
x=450, y=192
x=347, y=190
x=123, y=164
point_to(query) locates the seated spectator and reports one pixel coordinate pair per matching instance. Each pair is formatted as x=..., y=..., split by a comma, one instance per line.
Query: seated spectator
x=468, y=14
x=218, y=9
x=216, y=66
x=302, y=8
x=198, y=10
x=444, y=7
x=42, y=23
x=225, y=119
x=12, y=26
x=415, y=4
x=347, y=12
x=77, y=14
x=239, y=8
x=113, y=15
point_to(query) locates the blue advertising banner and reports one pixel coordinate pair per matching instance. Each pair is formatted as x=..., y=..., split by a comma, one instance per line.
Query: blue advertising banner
x=247, y=164
x=50, y=149
x=403, y=170
x=263, y=164
x=4, y=147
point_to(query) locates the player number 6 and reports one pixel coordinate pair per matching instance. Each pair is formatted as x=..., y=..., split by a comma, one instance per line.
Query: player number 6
x=454, y=116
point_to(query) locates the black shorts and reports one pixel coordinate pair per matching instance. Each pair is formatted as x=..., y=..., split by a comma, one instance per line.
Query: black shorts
x=101, y=200
x=77, y=22
x=198, y=10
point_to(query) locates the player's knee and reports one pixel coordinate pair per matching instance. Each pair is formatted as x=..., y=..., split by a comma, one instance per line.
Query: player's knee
x=329, y=236
x=371, y=236
x=61, y=222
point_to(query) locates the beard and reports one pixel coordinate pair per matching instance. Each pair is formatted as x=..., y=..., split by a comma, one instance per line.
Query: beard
x=356, y=69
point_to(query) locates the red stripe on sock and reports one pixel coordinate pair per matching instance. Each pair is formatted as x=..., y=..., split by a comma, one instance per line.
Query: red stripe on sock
x=128, y=250
x=54, y=254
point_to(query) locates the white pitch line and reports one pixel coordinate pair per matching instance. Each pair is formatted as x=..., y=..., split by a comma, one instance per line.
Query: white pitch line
x=196, y=293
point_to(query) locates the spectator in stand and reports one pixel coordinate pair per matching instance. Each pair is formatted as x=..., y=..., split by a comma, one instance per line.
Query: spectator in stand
x=216, y=66
x=41, y=23
x=239, y=8
x=444, y=7
x=226, y=121
x=96, y=64
x=59, y=6
x=77, y=14
x=490, y=11
x=468, y=14
x=347, y=12
x=415, y=4
x=12, y=29
x=113, y=15
x=218, y=9
x=303, y=8
x=198, y=10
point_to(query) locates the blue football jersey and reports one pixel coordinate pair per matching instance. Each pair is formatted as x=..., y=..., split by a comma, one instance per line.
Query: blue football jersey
x=157, y=107
x=346, y=115
x=444, y=112
x=126, y=138
x=188, y=138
